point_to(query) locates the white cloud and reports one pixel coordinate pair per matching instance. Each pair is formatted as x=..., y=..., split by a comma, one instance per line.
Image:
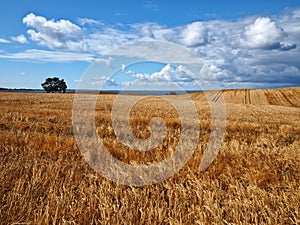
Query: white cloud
x=190, y=35
x=64, y=35
x=147, y=30
x=167, y=74
x=194, y=34
x=166, y=34
x=263, y=33
x=123, y=67
x=2, y=40
x=34, y=55
x=104, y=82
x=168, y=78
x=61, y=34
x=296, y=13
x=87, y=21
x=108, y=39
x=21, y=39
x=107, y=61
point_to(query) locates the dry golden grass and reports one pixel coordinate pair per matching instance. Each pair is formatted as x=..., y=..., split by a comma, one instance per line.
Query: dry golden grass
x=254, y=179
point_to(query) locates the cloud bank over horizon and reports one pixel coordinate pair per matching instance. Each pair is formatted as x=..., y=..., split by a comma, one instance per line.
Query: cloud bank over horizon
x=253, y=51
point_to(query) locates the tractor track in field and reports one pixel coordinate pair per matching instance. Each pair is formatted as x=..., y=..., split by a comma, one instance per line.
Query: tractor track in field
x=217, y=96
x=287, y=99
x=247, y=97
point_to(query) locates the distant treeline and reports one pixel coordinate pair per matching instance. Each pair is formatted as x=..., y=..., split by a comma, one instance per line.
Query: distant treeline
x=21, y=90
x=132, y=92
x=28, y=90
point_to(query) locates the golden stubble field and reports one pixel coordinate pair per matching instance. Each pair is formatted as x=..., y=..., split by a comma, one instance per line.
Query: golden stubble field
x=254, y=179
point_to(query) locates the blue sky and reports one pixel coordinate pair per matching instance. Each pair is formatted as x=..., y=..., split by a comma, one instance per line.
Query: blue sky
x=244, y=43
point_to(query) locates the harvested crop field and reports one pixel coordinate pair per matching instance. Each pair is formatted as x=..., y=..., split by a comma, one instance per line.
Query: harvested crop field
x=254, y=179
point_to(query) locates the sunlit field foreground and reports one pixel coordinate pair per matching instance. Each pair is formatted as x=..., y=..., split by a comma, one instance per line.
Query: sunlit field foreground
x=254, y=179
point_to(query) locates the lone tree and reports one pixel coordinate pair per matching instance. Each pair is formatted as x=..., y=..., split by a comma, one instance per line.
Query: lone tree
x=52, y=85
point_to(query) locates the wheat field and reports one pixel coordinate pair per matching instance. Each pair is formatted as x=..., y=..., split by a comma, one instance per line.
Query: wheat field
x=254, y=179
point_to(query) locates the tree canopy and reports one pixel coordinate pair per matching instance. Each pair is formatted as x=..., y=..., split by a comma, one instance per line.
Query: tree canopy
x=52, y=85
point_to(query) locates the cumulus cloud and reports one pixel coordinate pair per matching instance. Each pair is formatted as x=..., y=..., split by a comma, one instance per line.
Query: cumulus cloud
x=194, y=34
x=263, y=33
x=167, y=74
x=61, y=34
x=191, y=35
x=65, y=35
x=169, y=77
x=21, y=39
